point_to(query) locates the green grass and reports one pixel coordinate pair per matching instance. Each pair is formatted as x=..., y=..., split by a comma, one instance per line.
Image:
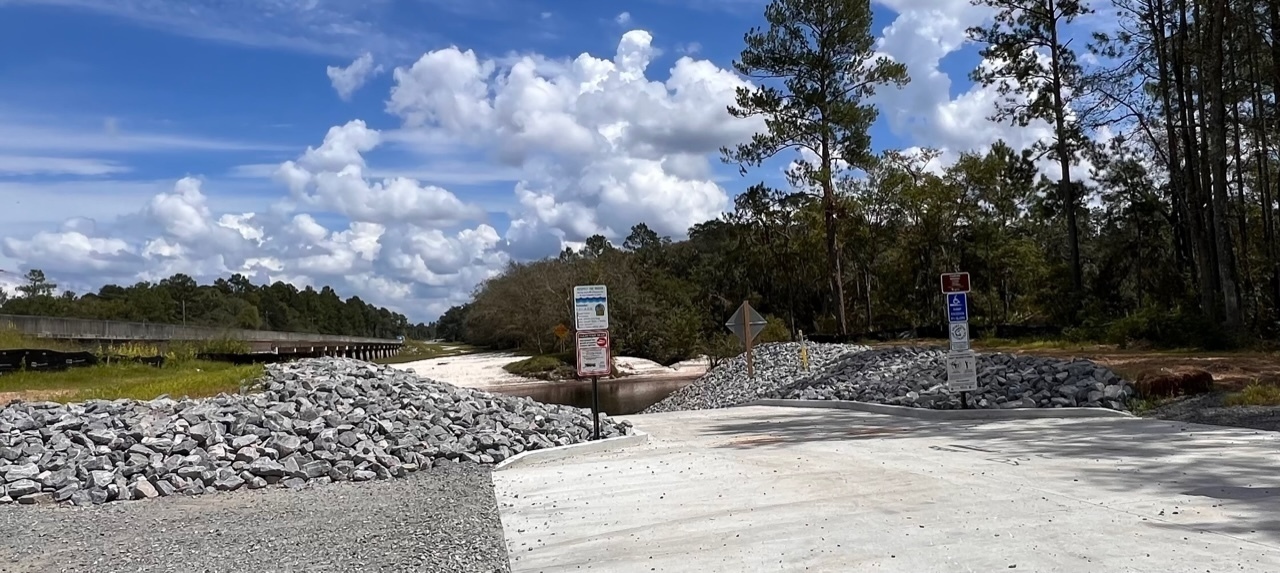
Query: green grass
x=1140, y=406
x=414, y=350
x=543, y=366
x=1032, y=344
x=12, y=339
x=1255, y=395
x=195, y=379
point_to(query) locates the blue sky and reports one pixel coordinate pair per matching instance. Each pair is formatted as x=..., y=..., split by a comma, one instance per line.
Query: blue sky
x=107, y=105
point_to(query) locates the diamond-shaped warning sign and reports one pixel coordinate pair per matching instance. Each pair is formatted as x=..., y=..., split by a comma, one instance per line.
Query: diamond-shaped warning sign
x=739, y=328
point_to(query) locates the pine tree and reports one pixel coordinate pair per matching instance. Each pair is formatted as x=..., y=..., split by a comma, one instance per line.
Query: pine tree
x=1037, y=89
x=822, y=54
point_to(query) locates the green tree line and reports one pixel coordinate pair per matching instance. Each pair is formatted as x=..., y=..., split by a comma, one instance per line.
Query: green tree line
x=233, y=302
x=1171, y=240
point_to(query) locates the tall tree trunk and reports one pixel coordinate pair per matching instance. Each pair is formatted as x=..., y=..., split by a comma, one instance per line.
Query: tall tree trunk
x=833, y=256
x=1067, y=190
x=1249, y=291
x=1217, y=135
x=1195, y=205
x=1177, y=182
x=870, y=310
x=1273, y=11
x=1262, y=155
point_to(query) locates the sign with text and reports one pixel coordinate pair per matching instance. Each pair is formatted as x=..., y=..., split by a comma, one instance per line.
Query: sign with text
x=955, y=282
x=593, y=353
x=962, y=364
x=591, y=307
x=962, y=371
x=957, y=307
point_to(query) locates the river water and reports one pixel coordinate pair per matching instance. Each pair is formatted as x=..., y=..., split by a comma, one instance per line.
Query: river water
x=617, y=397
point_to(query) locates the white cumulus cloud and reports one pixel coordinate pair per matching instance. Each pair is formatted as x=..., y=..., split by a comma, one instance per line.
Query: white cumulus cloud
x=601, y=146
x=923, y=111
x=588, y=145
x=351, y=78
x=578, y=146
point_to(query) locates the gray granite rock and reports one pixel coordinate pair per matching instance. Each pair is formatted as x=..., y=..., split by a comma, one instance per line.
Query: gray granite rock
x=902, y=376
x=774, y=366
x=916, y=377
x=315, y=421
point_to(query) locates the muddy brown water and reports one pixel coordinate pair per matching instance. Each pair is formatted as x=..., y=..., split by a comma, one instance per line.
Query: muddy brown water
x=617, y=397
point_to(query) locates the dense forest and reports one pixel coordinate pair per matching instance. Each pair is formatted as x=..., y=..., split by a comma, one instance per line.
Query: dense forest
x=1171, y=240
x=227, y=303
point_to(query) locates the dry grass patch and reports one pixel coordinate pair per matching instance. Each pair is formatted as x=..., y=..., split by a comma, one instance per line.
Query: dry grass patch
x=1255, y=394
x=194, y=379
x=414, y=350
x=12, y=339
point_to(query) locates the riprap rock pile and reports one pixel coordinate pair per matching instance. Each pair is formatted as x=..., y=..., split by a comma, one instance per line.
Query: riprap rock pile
x=917, y=377
x=775, y=366
x=316, y=421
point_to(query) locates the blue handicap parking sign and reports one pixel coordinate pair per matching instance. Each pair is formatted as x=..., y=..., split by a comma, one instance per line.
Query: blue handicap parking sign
x=957, y=307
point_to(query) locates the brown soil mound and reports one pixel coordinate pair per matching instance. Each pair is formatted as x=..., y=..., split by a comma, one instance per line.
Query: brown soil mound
x=1169, y=382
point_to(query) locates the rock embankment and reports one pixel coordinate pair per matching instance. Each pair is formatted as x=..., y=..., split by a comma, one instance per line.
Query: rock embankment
x=902, y=376
x=917, y=377
x=316, y=421
x=775, y=367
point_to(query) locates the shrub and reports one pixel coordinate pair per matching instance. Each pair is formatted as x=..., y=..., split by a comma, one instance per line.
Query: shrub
x=720, y=347
x=1165, y=328
x=543, y=366
x=775, y=330
x=1255, y=394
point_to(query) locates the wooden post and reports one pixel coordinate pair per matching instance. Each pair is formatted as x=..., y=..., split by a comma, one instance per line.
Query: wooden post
x=746, y=330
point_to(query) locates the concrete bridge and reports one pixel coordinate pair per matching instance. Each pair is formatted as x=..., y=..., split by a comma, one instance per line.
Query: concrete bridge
x=299, y=344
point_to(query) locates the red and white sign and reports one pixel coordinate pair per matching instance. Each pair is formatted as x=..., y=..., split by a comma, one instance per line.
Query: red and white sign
x=955, y=282
x=593, y=353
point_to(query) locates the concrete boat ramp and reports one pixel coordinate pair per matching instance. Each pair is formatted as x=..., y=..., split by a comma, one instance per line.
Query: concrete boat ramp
x=766, y=488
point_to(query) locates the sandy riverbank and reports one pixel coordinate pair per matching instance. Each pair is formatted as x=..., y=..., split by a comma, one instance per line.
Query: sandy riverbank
x=484, y=371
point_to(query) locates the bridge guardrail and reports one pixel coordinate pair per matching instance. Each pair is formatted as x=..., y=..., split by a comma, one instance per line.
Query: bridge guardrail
x=92, y=329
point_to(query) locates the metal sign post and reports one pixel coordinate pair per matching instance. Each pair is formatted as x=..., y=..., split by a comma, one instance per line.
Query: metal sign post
x=595, y=407
x=962, y=365
x=593, y=362
x=746, y=324
x=591, y=320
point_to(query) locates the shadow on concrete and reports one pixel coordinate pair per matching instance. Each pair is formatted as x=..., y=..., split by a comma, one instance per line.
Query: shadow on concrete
x=1240, y=468
x=1235, y=492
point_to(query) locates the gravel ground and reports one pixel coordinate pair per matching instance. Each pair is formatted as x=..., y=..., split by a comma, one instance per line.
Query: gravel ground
x=1208, y=409
x=444, y=519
